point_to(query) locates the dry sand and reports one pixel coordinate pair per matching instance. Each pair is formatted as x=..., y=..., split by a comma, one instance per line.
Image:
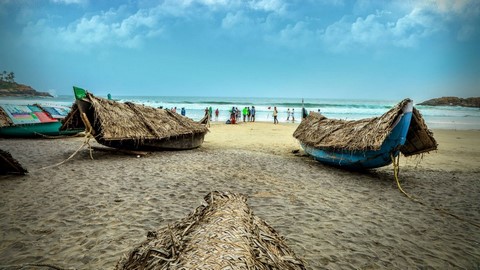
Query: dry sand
x=86, y=213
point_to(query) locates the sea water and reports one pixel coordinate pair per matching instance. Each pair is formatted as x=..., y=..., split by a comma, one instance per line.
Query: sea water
x=436, y=117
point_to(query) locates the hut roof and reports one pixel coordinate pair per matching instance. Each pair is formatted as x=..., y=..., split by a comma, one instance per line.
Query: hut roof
x=133, y=121
x=223, y=234
x=9, y=165
x=366, y=134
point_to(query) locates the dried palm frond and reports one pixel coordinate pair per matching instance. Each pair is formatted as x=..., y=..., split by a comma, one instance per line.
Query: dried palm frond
x=222, y=234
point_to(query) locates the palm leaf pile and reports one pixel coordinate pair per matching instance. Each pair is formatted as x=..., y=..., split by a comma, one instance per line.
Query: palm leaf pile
x=221, y=234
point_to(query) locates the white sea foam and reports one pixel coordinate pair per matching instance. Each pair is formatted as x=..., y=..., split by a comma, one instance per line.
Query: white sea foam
x=442, y=117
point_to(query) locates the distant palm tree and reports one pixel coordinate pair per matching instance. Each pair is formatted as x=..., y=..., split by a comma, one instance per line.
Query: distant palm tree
x=12, y=77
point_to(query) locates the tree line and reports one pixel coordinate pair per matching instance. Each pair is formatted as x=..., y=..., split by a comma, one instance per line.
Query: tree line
x=7, y=77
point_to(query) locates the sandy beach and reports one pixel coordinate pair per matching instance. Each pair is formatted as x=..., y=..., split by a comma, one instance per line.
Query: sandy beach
x=85, y=214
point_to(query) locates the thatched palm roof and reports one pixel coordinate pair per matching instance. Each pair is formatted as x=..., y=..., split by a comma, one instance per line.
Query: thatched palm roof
x=133, y=121
x=366, y=134
x=419, y=138
x=9, y=165
x=223, y=234
x=73, y=120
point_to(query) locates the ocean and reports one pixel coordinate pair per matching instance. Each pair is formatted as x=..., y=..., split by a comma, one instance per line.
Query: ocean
x=439, y=117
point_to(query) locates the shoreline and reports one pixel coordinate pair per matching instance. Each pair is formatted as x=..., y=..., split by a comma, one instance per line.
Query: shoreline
x=87, y=213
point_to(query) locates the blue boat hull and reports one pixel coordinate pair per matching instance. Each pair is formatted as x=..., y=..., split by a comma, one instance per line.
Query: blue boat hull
x=366, y=159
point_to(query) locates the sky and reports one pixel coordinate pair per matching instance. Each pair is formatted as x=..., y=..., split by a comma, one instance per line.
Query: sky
x=360, y=49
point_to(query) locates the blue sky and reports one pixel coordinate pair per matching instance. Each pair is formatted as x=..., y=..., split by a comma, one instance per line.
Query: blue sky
x=252, y=48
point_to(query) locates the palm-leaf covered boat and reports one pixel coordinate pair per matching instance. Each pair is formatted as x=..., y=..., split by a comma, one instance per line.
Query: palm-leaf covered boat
x=366, y=143
x=9, y=165
x=132, y=126
x=32, y=120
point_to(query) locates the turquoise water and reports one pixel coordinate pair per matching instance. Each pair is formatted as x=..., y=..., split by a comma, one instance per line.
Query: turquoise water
x=435, y=117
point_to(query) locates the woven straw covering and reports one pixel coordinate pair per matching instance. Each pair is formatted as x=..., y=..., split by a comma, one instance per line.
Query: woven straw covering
x=73, y=120
x=366, y=134
x=9, y=165
x=117, y=121
x=221, y=234
x=419, y=138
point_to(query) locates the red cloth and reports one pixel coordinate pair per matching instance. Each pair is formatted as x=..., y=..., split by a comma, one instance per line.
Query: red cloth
x=44, y=118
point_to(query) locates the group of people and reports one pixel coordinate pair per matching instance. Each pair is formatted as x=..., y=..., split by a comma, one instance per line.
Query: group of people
x=247, y=114
x=174, y=109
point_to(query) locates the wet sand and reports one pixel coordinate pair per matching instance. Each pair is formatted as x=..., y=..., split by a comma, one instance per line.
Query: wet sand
x=86, y=213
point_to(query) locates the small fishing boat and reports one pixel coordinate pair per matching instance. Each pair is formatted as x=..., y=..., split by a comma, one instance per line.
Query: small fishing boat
x=366, y=143
x=9, y=165
x=32, y=120
x=132, y=126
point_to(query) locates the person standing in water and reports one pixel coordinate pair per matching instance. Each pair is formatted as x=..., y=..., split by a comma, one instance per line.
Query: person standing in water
x=275, y=115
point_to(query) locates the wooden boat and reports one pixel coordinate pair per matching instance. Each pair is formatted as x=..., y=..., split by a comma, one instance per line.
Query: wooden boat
x=367, y=143
x=32, y=120
x=133, y=126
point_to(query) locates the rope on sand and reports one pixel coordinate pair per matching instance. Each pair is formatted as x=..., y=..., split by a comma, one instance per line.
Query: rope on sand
x=396, y=168
x=87, y=137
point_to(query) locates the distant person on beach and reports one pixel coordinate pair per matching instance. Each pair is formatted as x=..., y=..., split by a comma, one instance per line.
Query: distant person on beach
x=233, y=116
x=210, y=112
x=249, y=114
x=244, y=113
x=174, y=109
x=304, y=113
x=253, y=113
x=288, y=114
x=293, y=115
x=318, y=110
x=216, y=114
x=275, y=114
x=183, y=112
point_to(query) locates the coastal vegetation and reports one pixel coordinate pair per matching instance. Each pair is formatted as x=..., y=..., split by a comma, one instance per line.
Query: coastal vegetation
x=453, y=101
x=8, y=87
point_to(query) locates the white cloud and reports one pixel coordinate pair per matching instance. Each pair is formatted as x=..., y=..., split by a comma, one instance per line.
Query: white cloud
x=232, y=20
x=297, y=35
x=381, y=29
x=69, y=2
x=105, y=29
x=121, y=27
x=277, y=6
x=374, y=25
